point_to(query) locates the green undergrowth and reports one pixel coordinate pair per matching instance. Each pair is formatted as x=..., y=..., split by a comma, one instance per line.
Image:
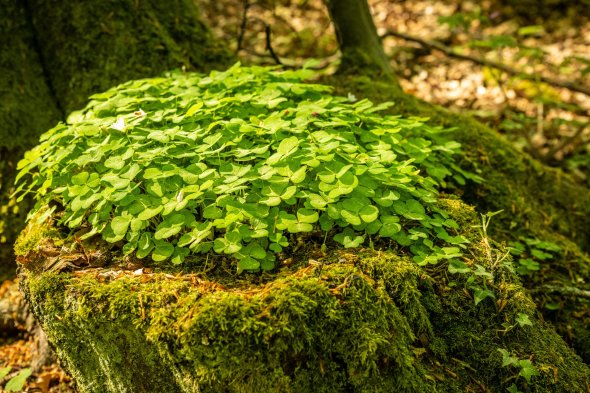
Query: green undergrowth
x=443, y=309
x=243, y=163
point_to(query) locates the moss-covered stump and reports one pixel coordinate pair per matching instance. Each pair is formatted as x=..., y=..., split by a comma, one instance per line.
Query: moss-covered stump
x=243, y=188
x=374, y=323
x=536, y=202
x=361, y=321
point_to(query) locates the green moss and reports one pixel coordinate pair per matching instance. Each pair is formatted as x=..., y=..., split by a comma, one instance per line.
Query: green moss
x=27, y=107
x=537, y=201
x=298, y=333
x=131, y=40
x=91, y=348
x=376, y=323
x=30, y=237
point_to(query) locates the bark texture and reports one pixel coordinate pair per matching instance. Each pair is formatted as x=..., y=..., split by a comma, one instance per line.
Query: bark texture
x=54, y=55
x=357, y=36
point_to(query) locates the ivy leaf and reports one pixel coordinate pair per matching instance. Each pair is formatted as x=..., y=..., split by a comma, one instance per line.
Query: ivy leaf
x=523, y=320
x=17, y=383
x=527, y=370
x=513, y=389
x=507, y=360
x=479, y=294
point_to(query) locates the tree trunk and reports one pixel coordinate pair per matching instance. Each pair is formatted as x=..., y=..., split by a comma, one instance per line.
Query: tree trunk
x=56, y=54
x=89, y=46
x=357, y=36
x=53, y=56
x=27, y=108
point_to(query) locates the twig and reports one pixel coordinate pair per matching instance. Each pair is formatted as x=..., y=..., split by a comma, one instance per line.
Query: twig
x=540, y=117
x=566, y=141
x=269, y=45
x=488, y=63
x=566, y=291
x=243, y=25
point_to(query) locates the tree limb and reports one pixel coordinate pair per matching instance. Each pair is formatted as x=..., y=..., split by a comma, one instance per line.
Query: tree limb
x=242, y=29
x=269, y=47
x=566, y=291
x=488, y=63
x=567, y=141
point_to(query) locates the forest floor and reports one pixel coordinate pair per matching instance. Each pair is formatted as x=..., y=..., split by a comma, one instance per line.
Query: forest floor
x=18, y=349
x=548, y=122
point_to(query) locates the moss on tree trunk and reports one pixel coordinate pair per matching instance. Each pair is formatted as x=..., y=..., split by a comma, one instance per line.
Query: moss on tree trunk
x=27, y=108
x=56, y=54
x=89, y=46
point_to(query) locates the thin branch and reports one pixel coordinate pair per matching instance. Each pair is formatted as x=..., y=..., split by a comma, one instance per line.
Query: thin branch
x=488, y=63
x=566, y=291
x=567, y=141
x=243, y=25
x=269, y=45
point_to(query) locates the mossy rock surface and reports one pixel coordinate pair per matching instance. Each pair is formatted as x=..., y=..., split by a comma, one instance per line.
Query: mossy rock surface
x=324, y=320
x=369, y=323
x=361, y=321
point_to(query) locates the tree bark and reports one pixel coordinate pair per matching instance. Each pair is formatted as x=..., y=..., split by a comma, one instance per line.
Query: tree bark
x=357, y=36
x=54, y=55
x=27, y=108
x=89, y=46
